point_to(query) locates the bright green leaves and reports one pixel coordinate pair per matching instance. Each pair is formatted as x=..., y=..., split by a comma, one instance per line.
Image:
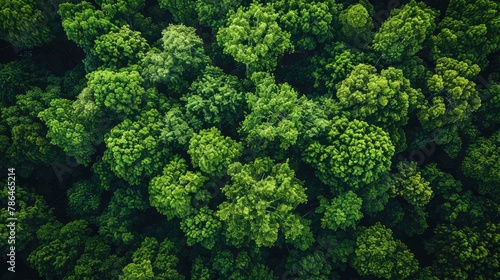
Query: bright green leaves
x=212, y=152
x=120, y=91
x=68, y=130
x=215, y=98
x=134, y=149
x=309, y=22
x=180, y=61
x=260, y=201
x=23, y=24
x=275, y=114
x=253, y=37
x=83, y=23
x=202, y=228
x=356, y=153
x=171, y=193
x=379, y=254
x=410, y=184
x=341, y=212
x=121, y=48
x=469, y=32
x=356, y=25
x=402, y=35
x=383, y=100
x=453, y=96
x=153, y=260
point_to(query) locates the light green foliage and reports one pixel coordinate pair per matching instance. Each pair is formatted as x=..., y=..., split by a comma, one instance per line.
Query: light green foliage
x=384, y=100
x=121, y=8
x=31, y=212
x=83, y=23
x=212, y=13
x=379, y=254
x=253, y=37
x=452, y=95
x=275, y=113
x=260, y=202
x=333, y=65
x=356, y=153
x=482, y=160
x=410, y=184
x=469, y=32
x=153, y=260
x=341, y=212
x=356, y=25
x=59, y=249
x=177, y=131
x=69, y=130
x=212, y=152
x=201, y=228
x=33, y=31
x=309, y=22
x=121, y=48
x=404, y=32
x=134, y=149
x=119, y=91
x=171, y=193
x=463, y=253
x=214, y=98
x=180, y=61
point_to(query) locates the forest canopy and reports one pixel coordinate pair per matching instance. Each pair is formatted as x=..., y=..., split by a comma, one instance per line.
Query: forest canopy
x=250, y=139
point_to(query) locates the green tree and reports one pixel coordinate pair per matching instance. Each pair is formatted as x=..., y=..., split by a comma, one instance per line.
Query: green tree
x=465, y=253
x=60, y=248
x=260, y=202
x=355, y=153
x=212, y=13
x=482, y=160
x=341, y=212
x=173, y=191
x=34, y=30
x=215, y=98
x=356, y=25
x=452, y=95
x=275, y=113
x=134, y=148
x=153, y=260
x=203, y=228
x=253, y=37
x=180, y=61
x=183, y=12
x=379, y=254
x=402, y=35
x=120, y=49
x=469, y=32
x=119, y=91
x=212, y=152
x=410, y=184
x=83, y=24
x=309, y=22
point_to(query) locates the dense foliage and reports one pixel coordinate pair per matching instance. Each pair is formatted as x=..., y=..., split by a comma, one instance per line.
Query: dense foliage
x=251, y=139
